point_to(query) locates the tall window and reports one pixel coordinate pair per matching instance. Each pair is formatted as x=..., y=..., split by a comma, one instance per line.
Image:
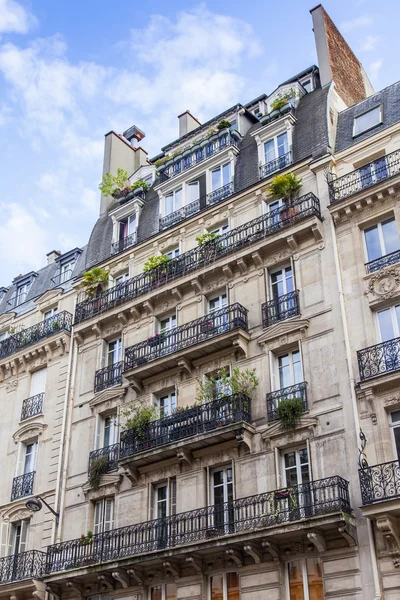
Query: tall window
x=224, y=586
x=172, y=253
x=221, y=176
x=66, y=270
x=167, y=323
x=22, y=292
x=110, y=430
x=114, y=352
x=193, y=192
x=281, y=282
x=103, y=515
x=222, y=498
x=164, y=505
x=165, y=591
x=296, y=467
x=276, y=148
x=30, y=457
x=290, y=369
x=173, y=201
x=18, y=537
x=381, y=239
x=395, y=430
x=305, y=579
x=389, y=323
x=167, y=404
x=127, y=227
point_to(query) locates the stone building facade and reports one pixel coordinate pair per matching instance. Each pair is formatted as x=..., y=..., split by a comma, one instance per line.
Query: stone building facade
x=218, y=500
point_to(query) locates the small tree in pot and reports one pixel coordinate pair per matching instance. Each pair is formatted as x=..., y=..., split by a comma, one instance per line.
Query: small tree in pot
x=115, y=185
x=94, y=281
x=285, y=187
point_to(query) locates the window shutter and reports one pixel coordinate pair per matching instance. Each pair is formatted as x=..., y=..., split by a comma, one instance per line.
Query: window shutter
x=24, y=536
x=99, y=426
x=38, y=382
x=104, y=355
x=98, y=516
x=108, y=514
x=172, y=496
x=272, y=370
x=5, y=548
x=21, y=459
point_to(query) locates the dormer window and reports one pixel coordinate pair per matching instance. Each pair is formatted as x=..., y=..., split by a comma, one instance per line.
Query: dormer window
x=368, y=120
x=66, y=270
x=276, y=154
x=127, y=232
x=22, y=292
x=307, y=85
x=173, y=201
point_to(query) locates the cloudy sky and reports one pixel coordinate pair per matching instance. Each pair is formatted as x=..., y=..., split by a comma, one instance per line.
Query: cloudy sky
x=71, y=70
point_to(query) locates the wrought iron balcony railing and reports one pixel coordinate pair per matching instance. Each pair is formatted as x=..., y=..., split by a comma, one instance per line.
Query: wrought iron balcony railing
x=109, y=376
x=275, y=165
x=276, y=220
x=220, y=194
x=379, y=359
x=22, y=486
x=281, y=308
x=193, y=421
x=25, y=565
x=60, y=322
x=32, y=406
x=61, y=277
x=17, y=299
x=380, y=482
x=298, y=390
x=192, y=333
x=123, y=243
x=383, y=261
x=364, y=177
x=314, y=499
x=197, y=156
x=112, y=454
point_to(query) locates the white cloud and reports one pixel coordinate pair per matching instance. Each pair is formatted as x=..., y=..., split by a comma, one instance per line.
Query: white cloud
x=14, y=18
x=369, y=43
x=357, y=23
x=374, y=70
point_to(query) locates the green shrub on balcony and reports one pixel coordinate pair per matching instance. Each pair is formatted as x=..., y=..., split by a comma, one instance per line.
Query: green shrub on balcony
x=112, y=184
x=239, y=382
x=283, y=99
x=95, y=281
x=98, y=467
x=289, y=410
x=163, y=160
x=223, y=124
x=284, y=186
x=155, y=261
x=206, y=238
x=138, y=418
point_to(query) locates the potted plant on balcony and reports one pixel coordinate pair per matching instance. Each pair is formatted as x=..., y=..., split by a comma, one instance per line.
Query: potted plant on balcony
x=115, y=185
x=98, y=467
x=285, y=187
x=223, y=124
x=156, y=267
x=138, y=418
x=289, y=411
x=207, y=327
x=208, y=244
x=140, y=187
x=95, y=281
x=155, y=340
x=84, y=540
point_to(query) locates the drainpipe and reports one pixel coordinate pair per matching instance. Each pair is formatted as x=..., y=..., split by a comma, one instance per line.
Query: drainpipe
x=352, y=381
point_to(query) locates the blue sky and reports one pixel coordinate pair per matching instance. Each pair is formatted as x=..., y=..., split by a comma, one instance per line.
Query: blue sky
x=72, y=70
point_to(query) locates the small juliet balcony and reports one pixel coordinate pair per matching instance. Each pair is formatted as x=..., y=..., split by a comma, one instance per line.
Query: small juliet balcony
x=298, y=390
x=210, y=423
x=217, y=330
x=22, y=566
x=110, y=452
x=273, y=166
x=382, y=262
x=22, y=486
x=123, y=243
x=365, y=177
x=32, y=406
x=278, y=512
x=379, y=359
x=61, y=278
x=280, y=309
x=109, y=376
x=380, y=483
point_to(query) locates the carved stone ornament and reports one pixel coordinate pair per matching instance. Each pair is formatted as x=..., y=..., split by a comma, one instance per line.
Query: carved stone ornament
x=385, y=284
x=12, y=385
x=17, y=512
x=29, y=431
x=389, y=528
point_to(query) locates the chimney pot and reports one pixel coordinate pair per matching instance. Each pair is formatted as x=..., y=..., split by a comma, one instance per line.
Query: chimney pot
x=51, y=256
x=187, y=123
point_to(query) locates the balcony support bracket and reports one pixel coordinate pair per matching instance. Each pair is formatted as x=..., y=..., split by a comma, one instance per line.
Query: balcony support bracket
x=272, y=549
x=292, y=243
x=148, y=307
x=184, y=455
x=244, y=437
x=96, y=328
x=123, y=319
x=136, y=385
x=176, y=293
x=348, y=531
x=390, y=529
x=106, y=582
x=242, y=266
x=257, y=259
x=254, y=553
x=235, y=557
x=318, y=540
x=136, y=575
x=241, y=346
x=132, y=473
x=135, y=312
x=122, y=576
x=40, y=591
x=317, y=233
x=196, y=285
x=195, y=563
x=76, y=587
x=227, y=271
x=171, y=569
x=54, y=590
x=185, y=365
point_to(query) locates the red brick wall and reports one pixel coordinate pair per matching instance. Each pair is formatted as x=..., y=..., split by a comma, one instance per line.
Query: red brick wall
x=345, y=67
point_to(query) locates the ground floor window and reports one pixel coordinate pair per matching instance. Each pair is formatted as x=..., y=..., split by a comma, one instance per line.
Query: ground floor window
x=305, y=579
x=224, y=586
x=165, y=591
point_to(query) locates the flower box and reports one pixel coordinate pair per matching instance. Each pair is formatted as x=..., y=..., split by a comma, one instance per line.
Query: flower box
x=282, y=494
x=208, y=327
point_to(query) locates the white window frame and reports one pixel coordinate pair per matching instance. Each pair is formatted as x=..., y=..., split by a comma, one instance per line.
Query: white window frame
x=357, y=133
x=380, y=236
x=22, y=293
x=395, y=323
x=186, y=195
x=275, y=140
x=303, y=561
x=156, y=503
x=22, y=455
x=121, y=278
x=51, y=312
x=173, y=194
x=173, y=253
x=171, y=317
x=102, y=503
x=284, y=279
x=64, y=268
x=298, y=464
x=304, y=82
x=118, y=351
x=222, y=469
x=163, y=587
x=275, y=368
x=394, y=425
x=172, y=403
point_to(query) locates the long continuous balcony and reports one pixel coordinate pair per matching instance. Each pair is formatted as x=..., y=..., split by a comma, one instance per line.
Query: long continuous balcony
x=123, y=243
x=380, y=482
x=365, y=177
x=60, y=322
x=32, y=406
x=195, y=421
x=199, y=154
x=195, y=207
x=180, y=338
x=112, y=454
x=273, y=166
x=109, y=376
x=382, y=262
x=233, y=241
x=299, y=390
x=22, y=485
x=229, y=520
x=379, y=359
x=279, y=309
x=25, y=565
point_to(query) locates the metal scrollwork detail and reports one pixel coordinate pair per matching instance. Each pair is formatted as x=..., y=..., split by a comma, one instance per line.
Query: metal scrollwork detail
x=362, y=458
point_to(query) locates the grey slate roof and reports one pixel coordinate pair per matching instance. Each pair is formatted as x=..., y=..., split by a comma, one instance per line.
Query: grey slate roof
x=310, y=135
x=390, y=100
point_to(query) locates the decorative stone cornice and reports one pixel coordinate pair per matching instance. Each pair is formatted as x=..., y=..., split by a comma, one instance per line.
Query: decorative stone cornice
x=390, y=529
x=29, y=431
x=109, y=485
x=116, y=393
x=283, y=329
x=48, y=297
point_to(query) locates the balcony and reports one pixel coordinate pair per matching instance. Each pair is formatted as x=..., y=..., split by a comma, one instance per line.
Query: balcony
x=230, y=521
x=22, y=486
x=214, y=421
x=112, y=454
x=379, y=359
x=273, y=166
x=197, y=206
x=32, y=406
x=299, y=390
x=280, y=309
x=380, y=482
x=123, y=243
x=205, y=149
x=25, y=565
x=365, y=177
x=108, y=376
x=233, y=241
x=383, y=261
x=60, y=322
x=215, y=328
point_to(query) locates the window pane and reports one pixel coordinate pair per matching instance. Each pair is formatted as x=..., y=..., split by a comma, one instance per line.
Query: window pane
x=269, y=151
x=396, y=432
x=178, y=199
x=169, y=204
x=373, y=244
x=156, y=593
x=216, y=179
x=232, y=584
x=367, y=120
x=296, y=587
x=386, y=325
x=314, y=575
x=226, y=174
x=217, y=587
x=170, y=591
x=390, y=236
x=282, y=144
x=193, y=191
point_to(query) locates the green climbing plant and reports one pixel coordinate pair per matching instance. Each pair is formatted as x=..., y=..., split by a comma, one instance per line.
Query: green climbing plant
x=289, y=411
